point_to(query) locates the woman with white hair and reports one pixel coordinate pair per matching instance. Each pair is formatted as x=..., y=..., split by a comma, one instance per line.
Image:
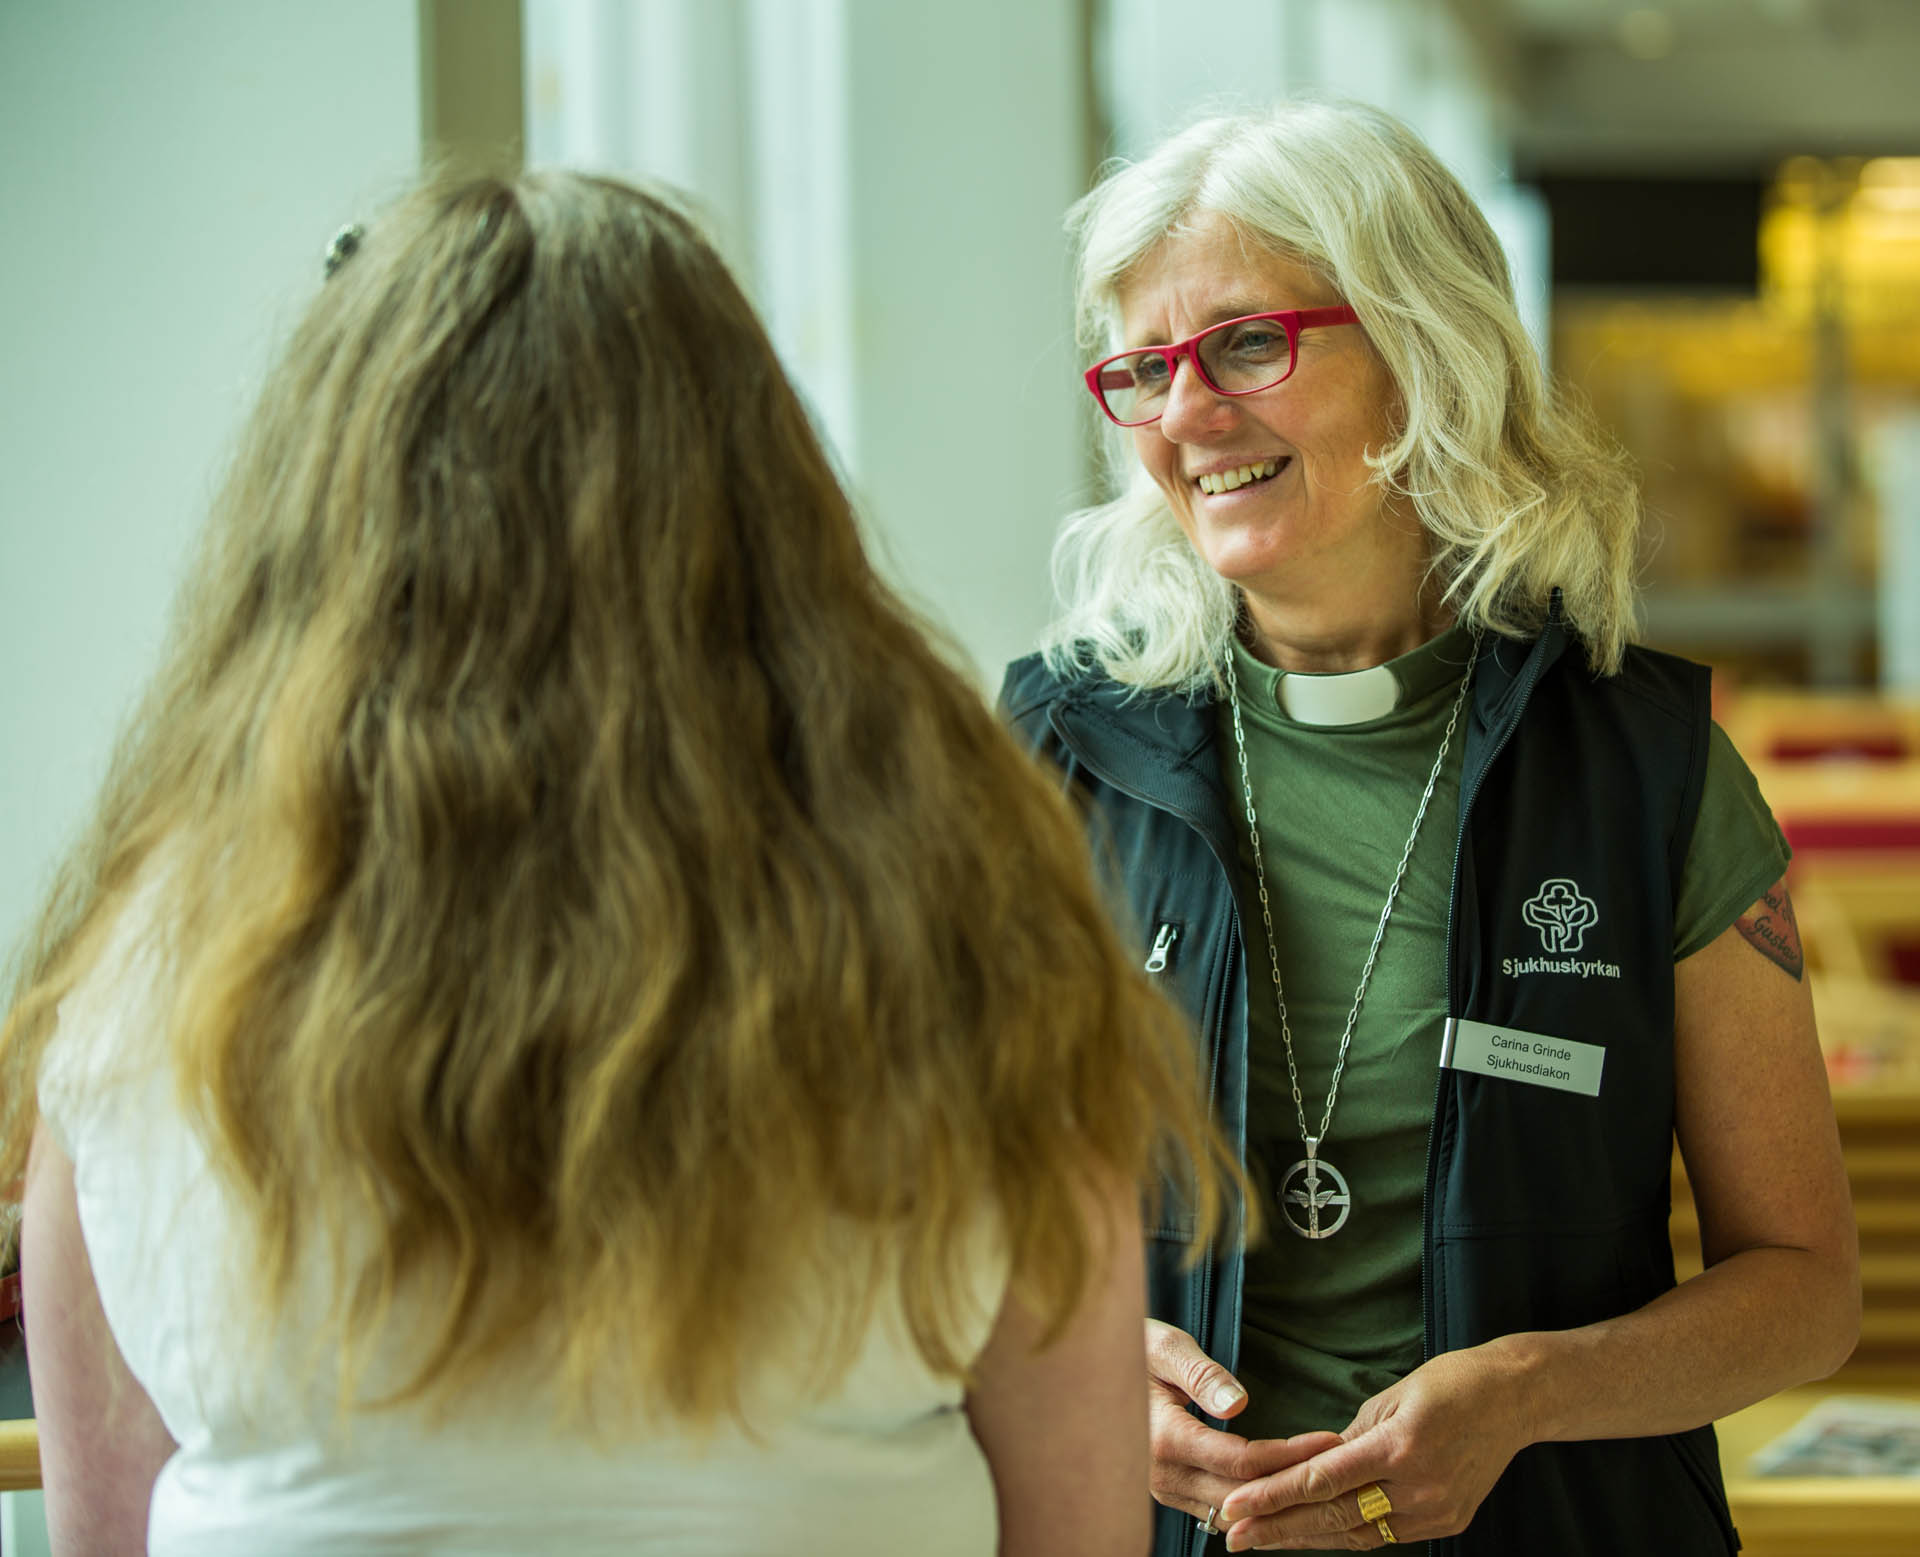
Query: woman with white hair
x=1473, y=908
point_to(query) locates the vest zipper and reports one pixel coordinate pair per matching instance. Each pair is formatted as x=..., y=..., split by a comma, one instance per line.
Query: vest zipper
x=1535, y=667
x=1205, y=1341
x=1162, y=952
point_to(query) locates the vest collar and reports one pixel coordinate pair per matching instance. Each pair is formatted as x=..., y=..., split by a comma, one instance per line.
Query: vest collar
x=1509, y=669
x=1156, y=746
x=1507, y=674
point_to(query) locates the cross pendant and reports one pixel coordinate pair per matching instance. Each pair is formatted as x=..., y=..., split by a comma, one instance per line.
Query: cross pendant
x=1313, y=1198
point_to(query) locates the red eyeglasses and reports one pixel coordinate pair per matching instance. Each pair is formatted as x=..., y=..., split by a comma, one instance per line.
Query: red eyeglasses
x=1240, y=357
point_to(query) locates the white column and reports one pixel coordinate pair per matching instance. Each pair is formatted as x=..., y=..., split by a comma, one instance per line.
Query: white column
x=23, y=1525
x=1897, y=478
x=799, y=113
x=1524, y=226
x=964, y=139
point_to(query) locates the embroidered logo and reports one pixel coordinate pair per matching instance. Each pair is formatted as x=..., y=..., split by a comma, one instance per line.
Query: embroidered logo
x=1561, y=913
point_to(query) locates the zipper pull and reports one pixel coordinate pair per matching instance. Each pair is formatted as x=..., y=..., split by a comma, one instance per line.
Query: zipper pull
x=1162, y=948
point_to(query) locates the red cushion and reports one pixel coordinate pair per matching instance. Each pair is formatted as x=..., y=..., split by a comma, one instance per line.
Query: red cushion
x=1870, y=746
x=1869, y=832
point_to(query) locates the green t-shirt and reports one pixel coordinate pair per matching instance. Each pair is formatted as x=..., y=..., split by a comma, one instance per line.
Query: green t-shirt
x=1327, y=1324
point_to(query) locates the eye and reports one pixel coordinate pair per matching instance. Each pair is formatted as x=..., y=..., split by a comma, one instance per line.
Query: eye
x=1144, y=373
x=1260, y=341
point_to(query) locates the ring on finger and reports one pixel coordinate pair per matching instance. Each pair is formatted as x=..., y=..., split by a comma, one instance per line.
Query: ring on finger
x=1386, y=1532
x=1374, y=1502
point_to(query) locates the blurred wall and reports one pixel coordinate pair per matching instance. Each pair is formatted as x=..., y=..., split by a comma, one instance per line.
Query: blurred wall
x=172, y=174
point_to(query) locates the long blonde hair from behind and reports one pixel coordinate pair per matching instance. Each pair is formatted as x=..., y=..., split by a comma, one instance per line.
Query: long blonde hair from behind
x=585, y=887
x=1517, y=487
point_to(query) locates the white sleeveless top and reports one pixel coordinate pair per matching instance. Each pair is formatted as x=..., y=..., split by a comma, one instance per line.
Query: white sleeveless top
x=886, y=1463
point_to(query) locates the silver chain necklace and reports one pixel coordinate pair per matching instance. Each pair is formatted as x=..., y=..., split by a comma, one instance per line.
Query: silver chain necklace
x=1312, y=1199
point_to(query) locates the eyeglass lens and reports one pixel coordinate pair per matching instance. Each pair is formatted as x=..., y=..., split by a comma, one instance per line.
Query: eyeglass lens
x=1237, y=357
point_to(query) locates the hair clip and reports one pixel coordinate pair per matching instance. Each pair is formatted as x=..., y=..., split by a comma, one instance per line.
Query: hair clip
x=343, y=247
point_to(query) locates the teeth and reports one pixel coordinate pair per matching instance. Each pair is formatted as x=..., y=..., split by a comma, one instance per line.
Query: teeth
x=1228, y=480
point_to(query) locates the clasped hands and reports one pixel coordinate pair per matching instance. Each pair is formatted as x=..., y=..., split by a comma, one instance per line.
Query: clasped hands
x=1435, y=1442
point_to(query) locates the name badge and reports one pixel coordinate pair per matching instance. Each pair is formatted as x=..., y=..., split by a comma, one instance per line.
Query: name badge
x=1513, y=1055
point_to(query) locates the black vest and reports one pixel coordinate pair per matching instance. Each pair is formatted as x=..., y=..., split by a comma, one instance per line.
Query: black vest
x=1545, y=1209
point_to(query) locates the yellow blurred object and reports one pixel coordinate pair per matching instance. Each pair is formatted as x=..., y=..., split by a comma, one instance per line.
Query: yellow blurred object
x=1713, y=398
x=19, y=1456
x=1846, y=225
x=1755, y=423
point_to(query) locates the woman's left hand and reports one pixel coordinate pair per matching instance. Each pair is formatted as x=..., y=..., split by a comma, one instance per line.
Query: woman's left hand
x=1435, y=1443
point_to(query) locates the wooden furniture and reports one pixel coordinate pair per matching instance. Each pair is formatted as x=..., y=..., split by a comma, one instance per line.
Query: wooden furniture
x=19, y=1456
x=1783, y=726
x=1785, y=1516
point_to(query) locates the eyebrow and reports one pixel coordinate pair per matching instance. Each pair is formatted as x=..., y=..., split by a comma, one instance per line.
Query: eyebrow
x=1233, y=308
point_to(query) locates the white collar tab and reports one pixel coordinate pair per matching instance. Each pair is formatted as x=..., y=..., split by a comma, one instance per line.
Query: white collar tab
x=1347, y=697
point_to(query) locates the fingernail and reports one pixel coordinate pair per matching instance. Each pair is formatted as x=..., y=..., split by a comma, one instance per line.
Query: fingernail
x=1226, y=1396
x=1236, y=1543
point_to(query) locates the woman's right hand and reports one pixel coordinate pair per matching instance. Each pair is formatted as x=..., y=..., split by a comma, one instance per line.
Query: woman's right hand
x=1196, y=1466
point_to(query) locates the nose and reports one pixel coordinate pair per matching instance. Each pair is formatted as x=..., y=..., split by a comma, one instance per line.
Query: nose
x=1194, y=412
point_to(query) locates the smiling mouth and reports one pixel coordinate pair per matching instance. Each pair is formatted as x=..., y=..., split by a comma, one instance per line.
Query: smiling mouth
x=1232, y=480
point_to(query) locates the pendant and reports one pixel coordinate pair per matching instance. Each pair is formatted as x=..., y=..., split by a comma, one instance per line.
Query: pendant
x=1324, y=1189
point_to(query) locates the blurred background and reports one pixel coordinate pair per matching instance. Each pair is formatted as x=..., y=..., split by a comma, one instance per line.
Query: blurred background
x=1711, y=208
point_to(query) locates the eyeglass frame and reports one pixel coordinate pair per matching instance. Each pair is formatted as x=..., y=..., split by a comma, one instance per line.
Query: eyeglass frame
x=1292, y=320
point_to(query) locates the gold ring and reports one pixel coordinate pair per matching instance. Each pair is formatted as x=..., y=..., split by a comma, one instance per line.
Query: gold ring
x=1374, y=1502
x=1385, y=1534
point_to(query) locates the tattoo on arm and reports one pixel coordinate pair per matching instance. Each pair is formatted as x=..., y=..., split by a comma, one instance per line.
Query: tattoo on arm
x=1773, y=930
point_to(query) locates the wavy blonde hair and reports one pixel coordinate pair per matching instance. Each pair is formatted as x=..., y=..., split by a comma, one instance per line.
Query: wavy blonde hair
x=1517, y=487
x=579, y=870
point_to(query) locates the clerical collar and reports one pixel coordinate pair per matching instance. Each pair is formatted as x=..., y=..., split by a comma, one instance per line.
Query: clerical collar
x=1354, y=696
